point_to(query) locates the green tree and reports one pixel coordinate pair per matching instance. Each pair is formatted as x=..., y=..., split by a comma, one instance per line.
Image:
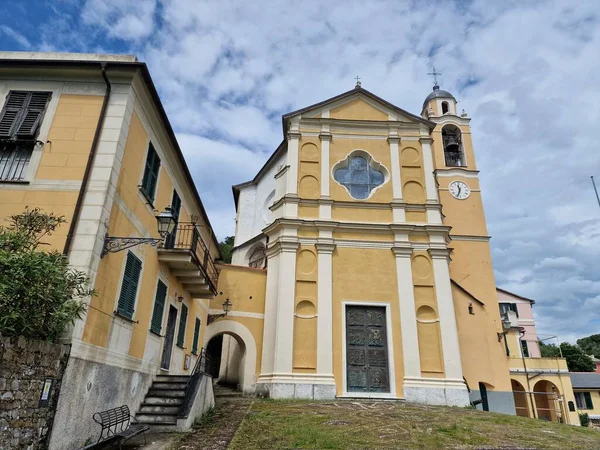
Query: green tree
x=590, y=345
x=577, y=360
x=226, y=248
x=40, y=296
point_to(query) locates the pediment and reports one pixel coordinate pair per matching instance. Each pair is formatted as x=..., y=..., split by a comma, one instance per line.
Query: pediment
x=357, y=104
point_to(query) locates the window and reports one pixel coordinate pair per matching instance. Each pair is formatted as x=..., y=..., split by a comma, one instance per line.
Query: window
x=150, y=174
x=159, y=307
x=258, y=258
x=359, y=177
x=505, y=307
x=176, y=209
x=131, y=278
x=524, y=348
x=453, y=149
x=584, y=400
x=196, y=336
x=20, y=122
x=182, y=322
x=444, y=107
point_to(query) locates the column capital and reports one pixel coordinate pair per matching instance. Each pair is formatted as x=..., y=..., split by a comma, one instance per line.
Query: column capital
x=425, y=140
x=439, y=253
x=402, y=252
x=282, y=246
x=292, y=134
x=393, y=139
x=325, y=136
x=325, y=247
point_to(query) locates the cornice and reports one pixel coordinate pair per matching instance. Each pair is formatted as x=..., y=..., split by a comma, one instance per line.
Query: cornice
x=402, y=251
x=439, y=253
x=325, y=247
x=325, y=136
x=425, y=140
x=456, y=172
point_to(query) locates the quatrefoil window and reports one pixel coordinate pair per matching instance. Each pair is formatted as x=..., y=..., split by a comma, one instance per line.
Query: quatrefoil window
x=360, y=174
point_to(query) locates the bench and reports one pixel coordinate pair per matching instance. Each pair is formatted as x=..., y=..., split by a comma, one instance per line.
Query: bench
x=117, y=426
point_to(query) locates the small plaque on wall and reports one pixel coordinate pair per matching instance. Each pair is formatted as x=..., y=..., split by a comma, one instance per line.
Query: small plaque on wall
x=188, y=360
x=46, y=392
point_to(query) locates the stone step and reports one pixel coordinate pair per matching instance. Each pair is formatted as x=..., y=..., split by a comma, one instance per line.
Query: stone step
x=156, y=427
x=176, y=378
x=164, y=409
x=169, y=419
x=168, y=385
x=228, y=394
x=173, y=393
x=171, y=401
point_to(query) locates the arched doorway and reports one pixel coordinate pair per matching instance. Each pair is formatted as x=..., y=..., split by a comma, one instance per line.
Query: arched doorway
x=232, y=350
x=521, y=403
x=548, y=404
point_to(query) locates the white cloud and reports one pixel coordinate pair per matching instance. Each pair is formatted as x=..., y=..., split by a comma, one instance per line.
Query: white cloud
x=16, y=36
x=123, y=19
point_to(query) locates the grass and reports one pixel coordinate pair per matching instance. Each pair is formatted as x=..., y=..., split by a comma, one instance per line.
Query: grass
x=393, y=425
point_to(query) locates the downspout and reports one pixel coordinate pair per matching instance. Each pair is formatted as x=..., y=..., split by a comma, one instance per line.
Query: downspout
x=531, y=397
x=89, y=165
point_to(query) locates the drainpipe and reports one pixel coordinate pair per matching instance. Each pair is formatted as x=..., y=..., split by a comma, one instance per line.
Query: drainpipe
x=88, y=167
x=531, y=397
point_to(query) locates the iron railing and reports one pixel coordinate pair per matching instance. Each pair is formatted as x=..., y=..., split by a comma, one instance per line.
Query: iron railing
x=202, y=366
x=14, y=160
x=186, y=236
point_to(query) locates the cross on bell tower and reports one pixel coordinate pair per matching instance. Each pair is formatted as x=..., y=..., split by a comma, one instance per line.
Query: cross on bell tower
x=358, y=83
x=435, y=75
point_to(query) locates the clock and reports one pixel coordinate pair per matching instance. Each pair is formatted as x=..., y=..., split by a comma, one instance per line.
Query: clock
x=459, y=190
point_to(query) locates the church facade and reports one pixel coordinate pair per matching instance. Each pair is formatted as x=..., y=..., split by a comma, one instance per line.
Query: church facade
x=362, y=265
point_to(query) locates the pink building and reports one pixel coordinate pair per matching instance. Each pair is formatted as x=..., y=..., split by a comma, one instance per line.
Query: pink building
x=523, y=308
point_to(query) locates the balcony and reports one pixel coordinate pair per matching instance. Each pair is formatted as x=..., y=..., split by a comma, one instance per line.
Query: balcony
x=539, y=365
x=189, y=260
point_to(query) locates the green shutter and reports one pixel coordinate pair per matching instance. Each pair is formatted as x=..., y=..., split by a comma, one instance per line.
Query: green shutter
x=131, y=278
x=151, y=173
x=588, y=400
x=182, y=322
x=196, y=335
x=159, y=307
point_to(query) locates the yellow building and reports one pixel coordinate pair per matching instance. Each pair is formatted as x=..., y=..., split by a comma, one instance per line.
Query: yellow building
x=586, y=389
x=362, y=264
x=86, y=136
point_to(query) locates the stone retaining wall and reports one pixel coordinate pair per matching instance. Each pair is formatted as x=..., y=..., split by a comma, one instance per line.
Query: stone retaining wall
x=25, y=366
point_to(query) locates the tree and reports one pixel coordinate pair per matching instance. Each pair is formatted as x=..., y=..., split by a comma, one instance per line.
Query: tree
x=40, y=296
x=577, y=360
x=226, y=248
x=590, y=345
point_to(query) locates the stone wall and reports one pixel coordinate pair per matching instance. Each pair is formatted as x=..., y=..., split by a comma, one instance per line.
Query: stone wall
x=25, y=365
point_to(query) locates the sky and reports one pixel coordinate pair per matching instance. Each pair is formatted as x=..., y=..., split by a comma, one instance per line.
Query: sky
x=527, y=72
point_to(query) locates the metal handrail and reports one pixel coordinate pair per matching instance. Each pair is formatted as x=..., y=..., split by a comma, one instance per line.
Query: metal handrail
x=186, y=236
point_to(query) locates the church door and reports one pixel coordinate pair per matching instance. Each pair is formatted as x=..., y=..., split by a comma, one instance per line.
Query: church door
x=366, y=349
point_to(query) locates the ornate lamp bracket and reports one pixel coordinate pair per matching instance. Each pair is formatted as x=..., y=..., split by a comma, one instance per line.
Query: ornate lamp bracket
x=114, y=244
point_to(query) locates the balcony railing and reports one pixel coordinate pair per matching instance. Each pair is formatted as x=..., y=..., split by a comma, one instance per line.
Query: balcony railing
x=14, y=159
x=186, y=236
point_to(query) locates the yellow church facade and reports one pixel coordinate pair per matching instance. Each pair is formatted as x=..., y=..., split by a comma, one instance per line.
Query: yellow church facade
x=361, y=265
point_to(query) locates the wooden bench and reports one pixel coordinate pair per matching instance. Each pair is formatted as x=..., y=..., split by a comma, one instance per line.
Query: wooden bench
x=117, y=426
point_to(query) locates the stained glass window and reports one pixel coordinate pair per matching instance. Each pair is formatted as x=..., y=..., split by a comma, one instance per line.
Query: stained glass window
x=359, y=177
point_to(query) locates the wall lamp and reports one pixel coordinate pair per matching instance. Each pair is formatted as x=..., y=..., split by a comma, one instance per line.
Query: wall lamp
x=166, y=225
x=226, y=307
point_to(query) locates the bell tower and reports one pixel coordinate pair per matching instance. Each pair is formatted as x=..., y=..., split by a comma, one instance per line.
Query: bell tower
x=484, y=359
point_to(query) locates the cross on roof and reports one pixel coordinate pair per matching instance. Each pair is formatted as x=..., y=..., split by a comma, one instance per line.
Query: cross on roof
x=357, y=78
x=435, y=75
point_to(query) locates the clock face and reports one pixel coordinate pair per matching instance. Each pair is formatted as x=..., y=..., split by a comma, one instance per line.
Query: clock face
x=459, y=190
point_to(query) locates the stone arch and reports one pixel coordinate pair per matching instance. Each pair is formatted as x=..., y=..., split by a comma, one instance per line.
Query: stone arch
x=253, y=254
x=245, y=339
x=520, y=396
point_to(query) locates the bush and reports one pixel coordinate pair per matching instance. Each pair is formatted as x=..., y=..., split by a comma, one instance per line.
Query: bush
x=40, y=296
x=584, y=419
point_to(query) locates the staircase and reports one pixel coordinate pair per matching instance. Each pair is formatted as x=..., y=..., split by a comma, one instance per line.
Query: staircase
x=226, y=393
x=163, y=402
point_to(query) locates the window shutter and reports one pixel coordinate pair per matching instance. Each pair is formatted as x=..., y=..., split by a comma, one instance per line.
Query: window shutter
x=176, y=205
x=159, y=307
x=32, y=115
x=151, y=170
x=12, y=111
x=182, y=322
x=588, y=400
x=131, y=277
x=196, y=335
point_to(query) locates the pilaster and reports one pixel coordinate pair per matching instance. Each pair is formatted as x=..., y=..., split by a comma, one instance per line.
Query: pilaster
x=394, y=141
x=325, y=309
x=430, y=185
x=293, y=137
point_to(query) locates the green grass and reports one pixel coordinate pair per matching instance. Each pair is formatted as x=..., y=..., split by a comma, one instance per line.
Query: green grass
x=393, y=425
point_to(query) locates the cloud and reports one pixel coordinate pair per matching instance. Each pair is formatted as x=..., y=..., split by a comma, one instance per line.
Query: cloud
x=16, y=36
x=526, y=72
